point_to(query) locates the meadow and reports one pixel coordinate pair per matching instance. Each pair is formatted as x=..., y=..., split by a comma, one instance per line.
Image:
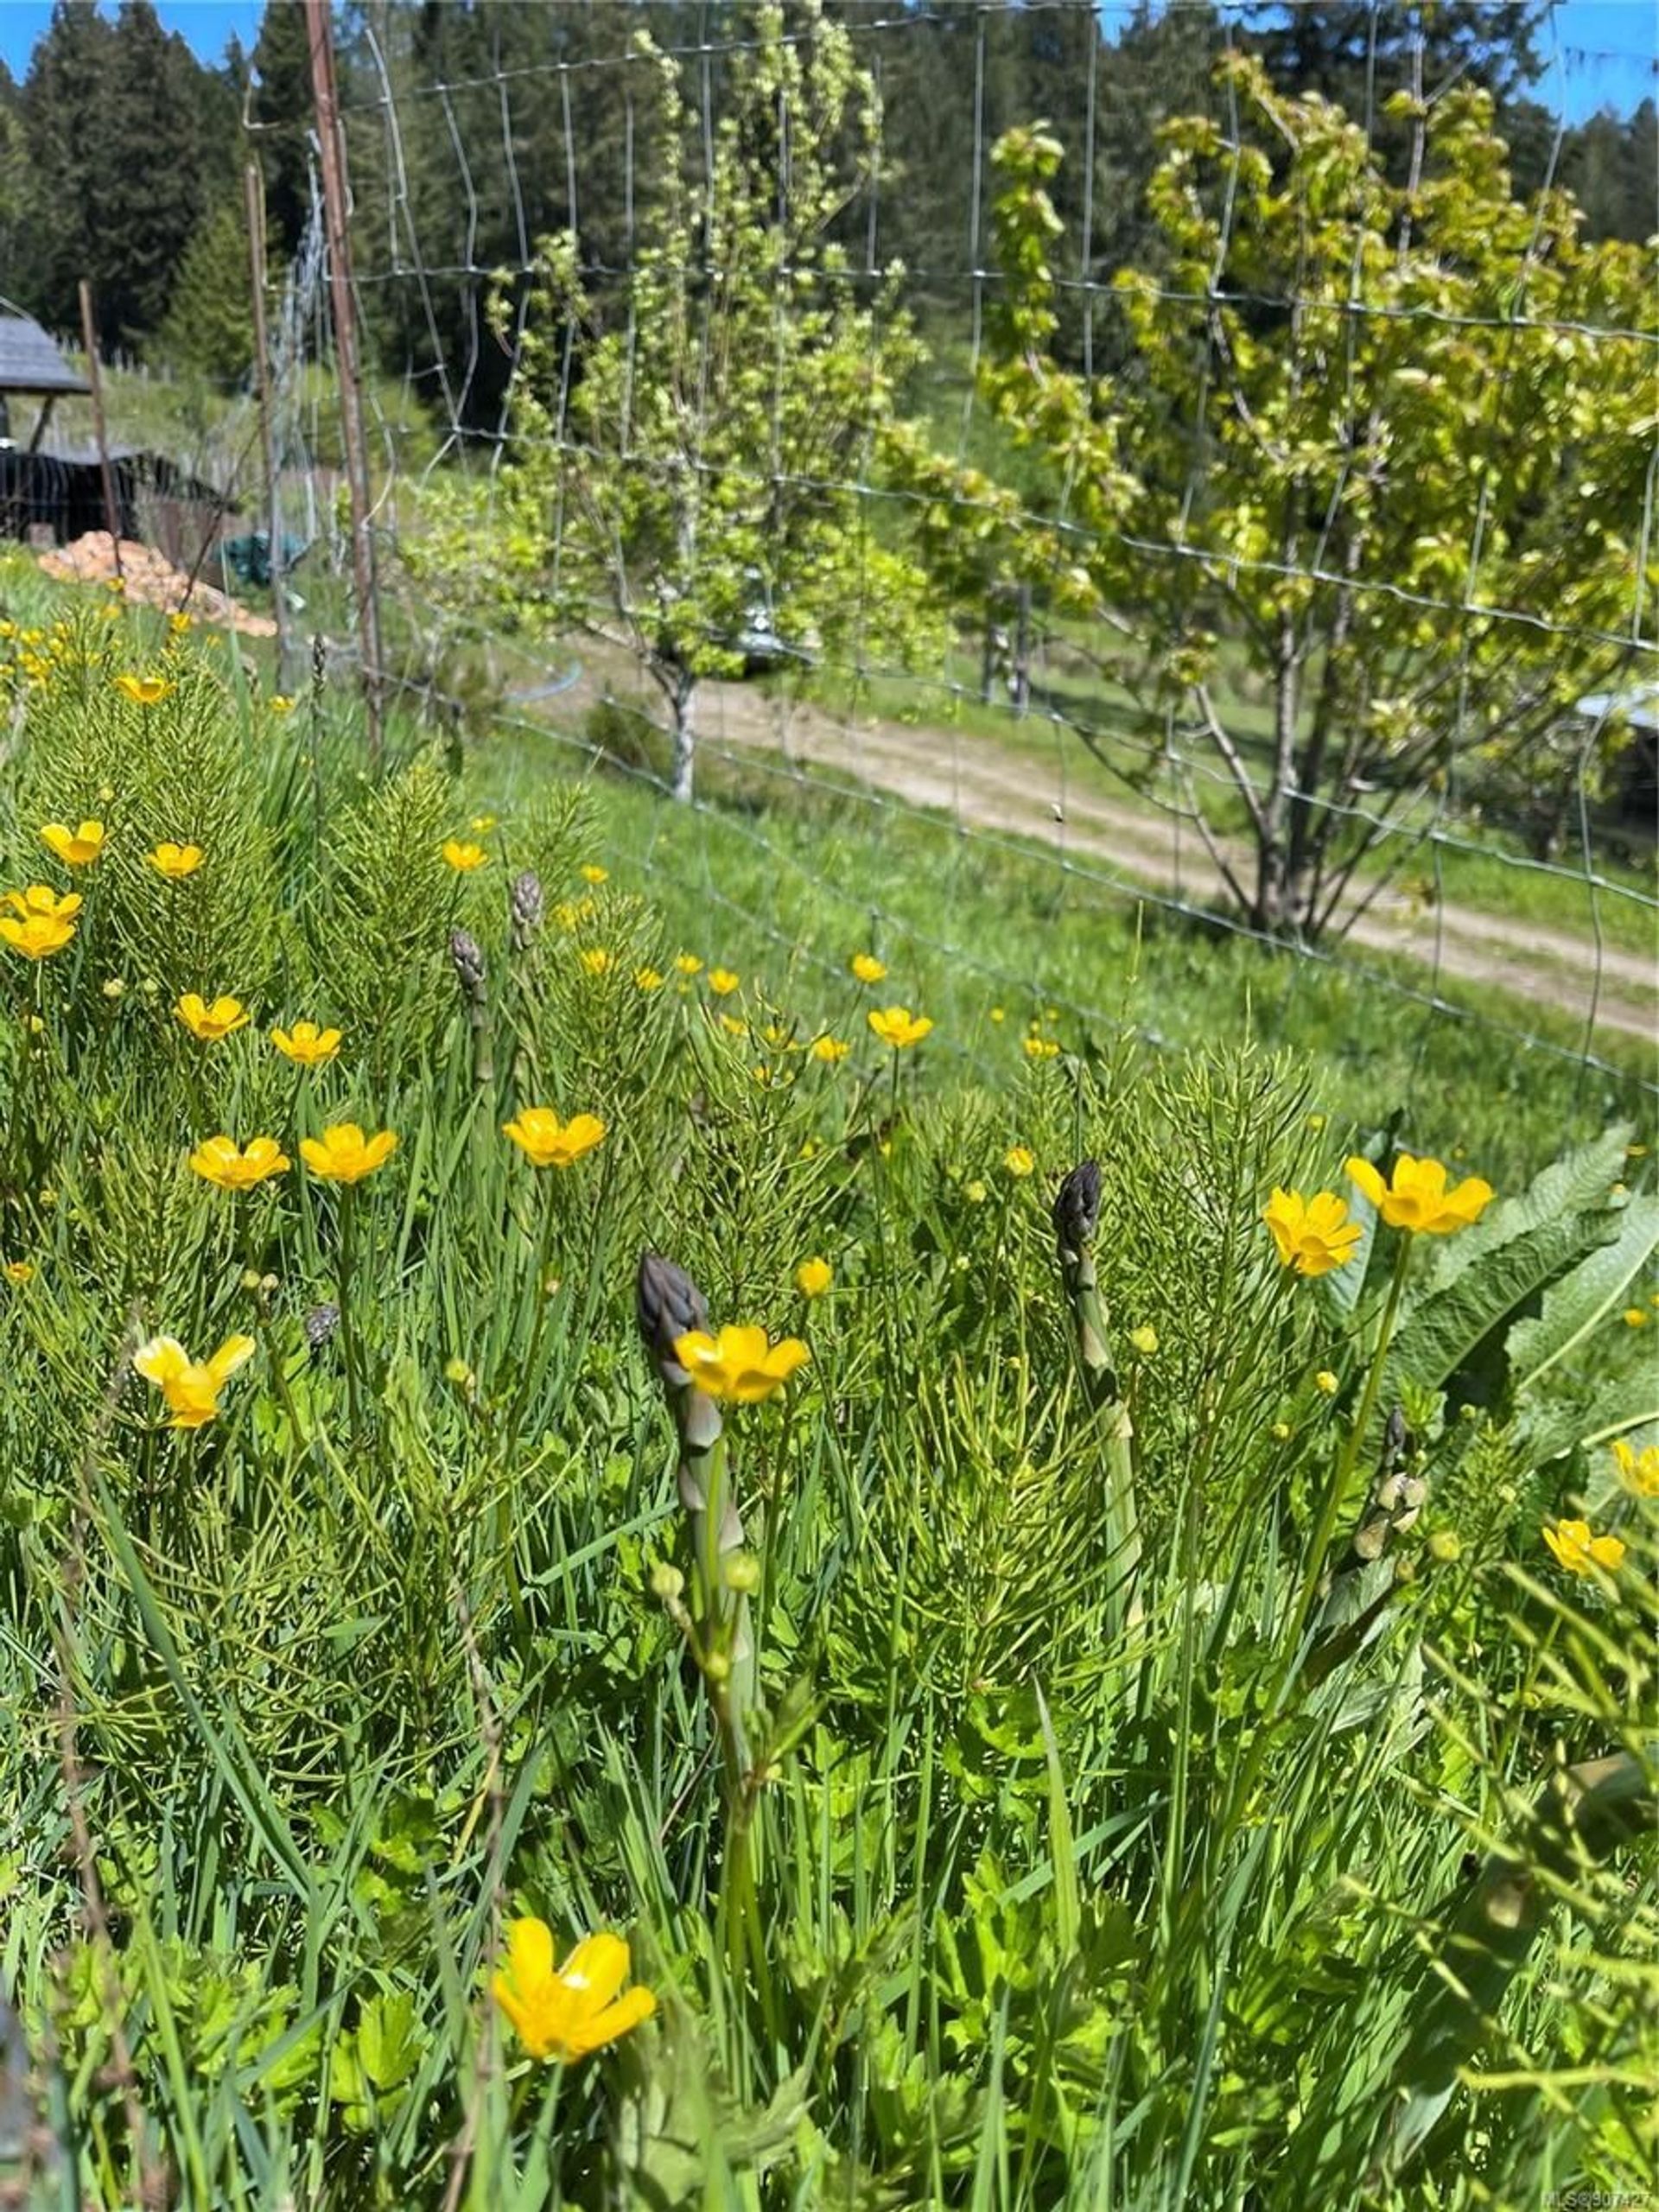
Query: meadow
x=737, y=1508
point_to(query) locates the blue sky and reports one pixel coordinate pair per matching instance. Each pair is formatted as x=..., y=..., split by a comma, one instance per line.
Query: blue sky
x=206, y=24
x=1601, y=52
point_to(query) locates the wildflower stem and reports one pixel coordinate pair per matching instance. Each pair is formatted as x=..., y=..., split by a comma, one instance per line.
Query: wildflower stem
x=1324, y=1528
x=540, y=1302
x=348, y=1338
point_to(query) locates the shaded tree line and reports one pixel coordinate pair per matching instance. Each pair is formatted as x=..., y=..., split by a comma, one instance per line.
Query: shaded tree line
x=476, y=127
x=114, y=150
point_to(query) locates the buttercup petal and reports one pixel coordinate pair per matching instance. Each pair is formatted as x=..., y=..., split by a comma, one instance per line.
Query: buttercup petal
x=1370, y=1182
x=529, y=1953
x=598, y=1966
x=161, y=1360
x=616, y=2020
x=234, y=1352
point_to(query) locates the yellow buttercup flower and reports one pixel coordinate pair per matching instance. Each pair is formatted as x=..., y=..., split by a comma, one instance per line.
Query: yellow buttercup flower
x=687, y=964
x=179, y=622
x=1581, y=1553
x=1635, y=1316
x=867, y=968
x=281, y=704
x=813, y=1278
x=828, y=1050
x=40, y=899
x=190, y=1387
x=1018, y=1160
x=210, y=1023
x=19, y=1271
x=344, y=1154
x=898, y=1027
x=37, y=934
x=647, y=979
x=1416, y=1198
x=175, y=861
x=739, y=1364
x=722, y=983
x=596, y=960
x=144, y=690
x=594, y=874
x=306, y=1043
x=733, y=1027
x=1326, y=1382
x=568, y=2013
x=1638, y=1471
x=220, y=1160
x=546, y=1141
x=463, y=855
x=74, y=847
x=481, y=825
x=1039, y=1048
x=1145, y=1341
x=1313, y=1235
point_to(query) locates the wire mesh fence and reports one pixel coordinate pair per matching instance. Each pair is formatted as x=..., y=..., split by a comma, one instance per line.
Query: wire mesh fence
x=1297, y=584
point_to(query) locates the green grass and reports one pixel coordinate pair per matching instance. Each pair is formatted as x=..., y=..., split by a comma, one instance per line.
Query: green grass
x=774, y=873
x=964, y=1875
x=1477, y=867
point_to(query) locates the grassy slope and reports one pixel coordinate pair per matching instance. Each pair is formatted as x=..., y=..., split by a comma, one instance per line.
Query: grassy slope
x=975, y=922
x=1038, y=1917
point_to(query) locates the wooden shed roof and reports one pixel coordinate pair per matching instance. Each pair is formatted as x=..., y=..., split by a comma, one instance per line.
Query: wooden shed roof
x=29, y=361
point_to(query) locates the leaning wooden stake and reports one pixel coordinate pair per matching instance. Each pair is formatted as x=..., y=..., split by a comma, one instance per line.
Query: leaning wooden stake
x=254, y=201
x=95, y=377
x=332, y=150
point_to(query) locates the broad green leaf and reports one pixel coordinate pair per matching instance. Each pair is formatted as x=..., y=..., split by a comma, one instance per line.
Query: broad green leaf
x=1444, y=1330
x=1582, y=1300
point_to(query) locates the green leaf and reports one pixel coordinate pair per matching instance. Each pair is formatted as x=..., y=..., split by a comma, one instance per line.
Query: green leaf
x=1582, y=1300
x=1068, y=1914
x=1578, y=1184
x=387, y=2046
x=1548, y=1430
x=1445, y=1330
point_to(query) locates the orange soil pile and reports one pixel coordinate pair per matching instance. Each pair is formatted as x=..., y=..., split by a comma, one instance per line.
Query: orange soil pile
x=148, y=580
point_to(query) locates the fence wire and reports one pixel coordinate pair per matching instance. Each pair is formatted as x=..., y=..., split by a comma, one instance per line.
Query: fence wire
x=1042, y=763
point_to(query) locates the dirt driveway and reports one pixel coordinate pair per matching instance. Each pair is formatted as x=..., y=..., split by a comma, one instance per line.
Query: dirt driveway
x=970, y=777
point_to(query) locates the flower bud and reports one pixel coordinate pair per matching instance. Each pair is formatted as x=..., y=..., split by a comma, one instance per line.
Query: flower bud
x=666, y=1582
x=467, y=959
x=527, y=908
x=668, y=1305
x=1077, y=1207
x=741, y=1571
x=320, y=1323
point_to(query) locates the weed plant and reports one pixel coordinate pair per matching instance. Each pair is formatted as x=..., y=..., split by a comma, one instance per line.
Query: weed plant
x=1154, y=1708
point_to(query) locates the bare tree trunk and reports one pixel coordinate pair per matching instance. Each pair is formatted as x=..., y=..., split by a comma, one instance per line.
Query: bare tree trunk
x=1022, y=652
x=1312, y=823
x=684, y=703
x=1273, y=886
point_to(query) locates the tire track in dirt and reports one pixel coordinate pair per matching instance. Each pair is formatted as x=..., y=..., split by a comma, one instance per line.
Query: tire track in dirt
x=976, y=781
